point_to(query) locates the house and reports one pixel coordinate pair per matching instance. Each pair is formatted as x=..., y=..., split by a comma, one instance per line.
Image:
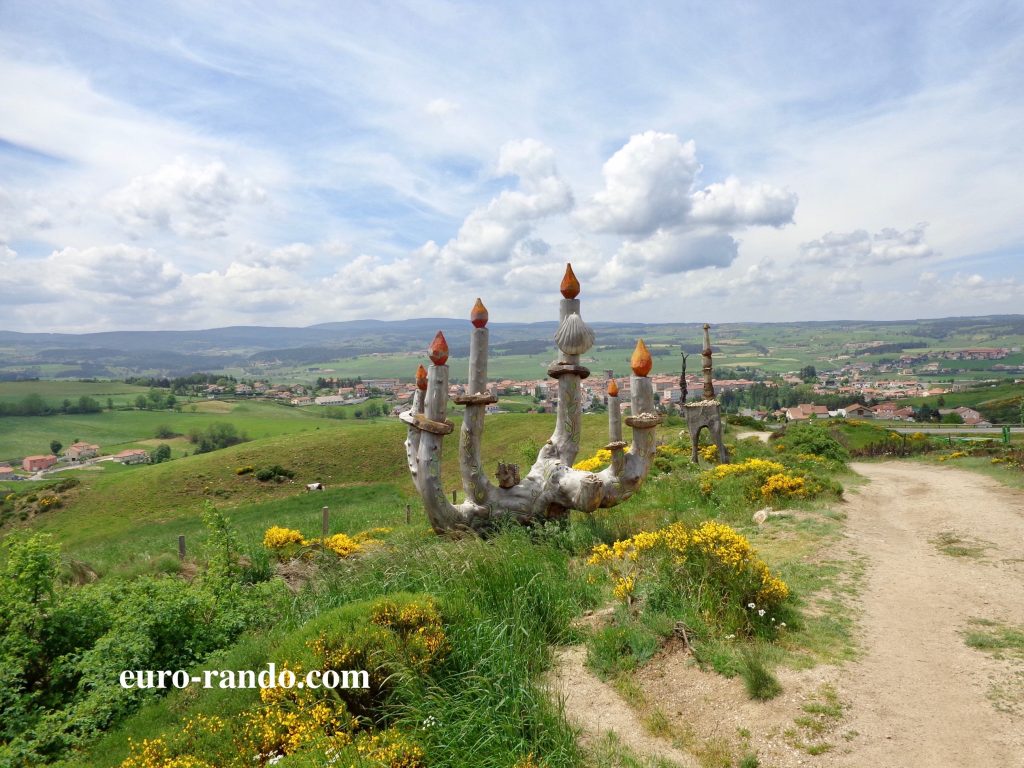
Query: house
x=304, y=400
x=38, y=463
x=7, y=473
x=968, y=414
x=806, y=411
x=82, y=451
x=857, y=411
x=132, y=456
x=330, y=400
x=384, y=385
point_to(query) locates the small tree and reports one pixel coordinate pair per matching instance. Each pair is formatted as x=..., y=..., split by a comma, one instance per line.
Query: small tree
x=55, y=446
x=161, y=453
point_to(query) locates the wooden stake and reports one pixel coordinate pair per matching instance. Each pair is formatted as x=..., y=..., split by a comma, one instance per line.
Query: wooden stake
x=408, y=514
x=181, y=547
x=324, y=521
x=453, y=496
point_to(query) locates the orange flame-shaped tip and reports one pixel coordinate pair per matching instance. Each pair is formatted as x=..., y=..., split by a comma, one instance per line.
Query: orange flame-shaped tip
x=613, y=388
x=570, y=286
x=421, y=378
x=479, y=314
x=641, y=362
x=438, y=350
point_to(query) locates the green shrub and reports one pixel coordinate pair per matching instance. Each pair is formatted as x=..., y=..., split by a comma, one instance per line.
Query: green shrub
x=811, y=438
x=275, y=473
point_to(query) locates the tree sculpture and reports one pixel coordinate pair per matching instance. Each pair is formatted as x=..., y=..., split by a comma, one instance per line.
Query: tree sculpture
x=706, y=413
x=552, y=487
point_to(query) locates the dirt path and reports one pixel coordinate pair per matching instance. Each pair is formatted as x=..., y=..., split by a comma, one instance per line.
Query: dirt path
x=920, y=695
x=595, y=708
x=762, y=436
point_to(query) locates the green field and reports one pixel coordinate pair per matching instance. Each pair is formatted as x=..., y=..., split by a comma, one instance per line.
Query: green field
x=118, y=430
x=121, y=504
x=55, y=392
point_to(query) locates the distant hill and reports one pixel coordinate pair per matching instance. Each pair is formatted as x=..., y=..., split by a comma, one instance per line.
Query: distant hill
x=119, y=353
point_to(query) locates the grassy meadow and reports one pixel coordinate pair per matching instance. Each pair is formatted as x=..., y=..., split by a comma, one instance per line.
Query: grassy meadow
x=457, y=682
x=118, y=430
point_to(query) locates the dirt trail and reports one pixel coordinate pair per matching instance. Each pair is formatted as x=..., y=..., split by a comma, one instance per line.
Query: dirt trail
x=919, y=697
x=596, y=708
x=762, y=436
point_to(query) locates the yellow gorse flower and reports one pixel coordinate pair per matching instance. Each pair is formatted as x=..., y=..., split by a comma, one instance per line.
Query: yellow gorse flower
x=278, y=538
x=719, y=547
x=595, y=462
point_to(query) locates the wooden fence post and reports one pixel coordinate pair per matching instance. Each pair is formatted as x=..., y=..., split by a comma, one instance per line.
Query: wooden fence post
x=181, y=547
x=324, y=521
x=408, y=514
x=453, y=496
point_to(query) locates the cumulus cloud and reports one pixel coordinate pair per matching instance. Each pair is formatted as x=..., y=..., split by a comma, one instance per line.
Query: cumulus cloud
x=667, y=252
x=730, y=204
x=117, y=271
x=647, y=186
x=650, y=186
x=490, y=233
x=860, y=247
x=184, y=198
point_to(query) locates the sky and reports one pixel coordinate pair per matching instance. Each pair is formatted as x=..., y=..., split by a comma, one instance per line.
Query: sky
x=183, y=165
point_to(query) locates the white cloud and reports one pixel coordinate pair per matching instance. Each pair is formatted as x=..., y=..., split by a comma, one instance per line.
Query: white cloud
x=187, y=199
x=647, y=186
x=667, y=252
x=489, y=235
x=862, y=248
x=121, y=271
x=730, y=204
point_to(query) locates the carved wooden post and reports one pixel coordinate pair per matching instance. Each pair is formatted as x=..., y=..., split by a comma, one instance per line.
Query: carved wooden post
x=616, y=443
x=709, y=384
x=708, y=412
x=552, y=487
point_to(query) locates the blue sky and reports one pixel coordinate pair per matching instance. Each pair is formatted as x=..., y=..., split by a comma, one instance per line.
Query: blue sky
x=188, y=165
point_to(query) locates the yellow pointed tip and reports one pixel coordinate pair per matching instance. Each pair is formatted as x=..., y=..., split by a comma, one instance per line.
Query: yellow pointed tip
x=613, y=388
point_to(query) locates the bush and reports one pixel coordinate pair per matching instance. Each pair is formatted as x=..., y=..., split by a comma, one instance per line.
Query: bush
x=709, y=571
x=747, y=422
x=276, y=473
x=215, y=437
x=64, y=647
x=810, y=438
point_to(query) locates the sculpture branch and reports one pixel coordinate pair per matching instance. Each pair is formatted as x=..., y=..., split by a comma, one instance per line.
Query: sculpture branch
x=552, y=487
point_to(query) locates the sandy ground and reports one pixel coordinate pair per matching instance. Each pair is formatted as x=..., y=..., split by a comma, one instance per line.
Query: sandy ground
x=762, y=436
x=918, y=697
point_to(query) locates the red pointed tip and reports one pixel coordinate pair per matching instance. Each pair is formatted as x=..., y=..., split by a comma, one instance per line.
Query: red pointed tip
x=613, y=388
x=478, y=316
x=421, y=378
x=570, y=286
x=439, y=350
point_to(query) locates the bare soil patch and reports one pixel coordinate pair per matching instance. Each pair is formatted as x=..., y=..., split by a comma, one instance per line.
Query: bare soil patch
x=918, y=697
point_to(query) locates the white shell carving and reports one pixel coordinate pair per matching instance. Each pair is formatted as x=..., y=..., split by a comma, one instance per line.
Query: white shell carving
x=573, y=336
